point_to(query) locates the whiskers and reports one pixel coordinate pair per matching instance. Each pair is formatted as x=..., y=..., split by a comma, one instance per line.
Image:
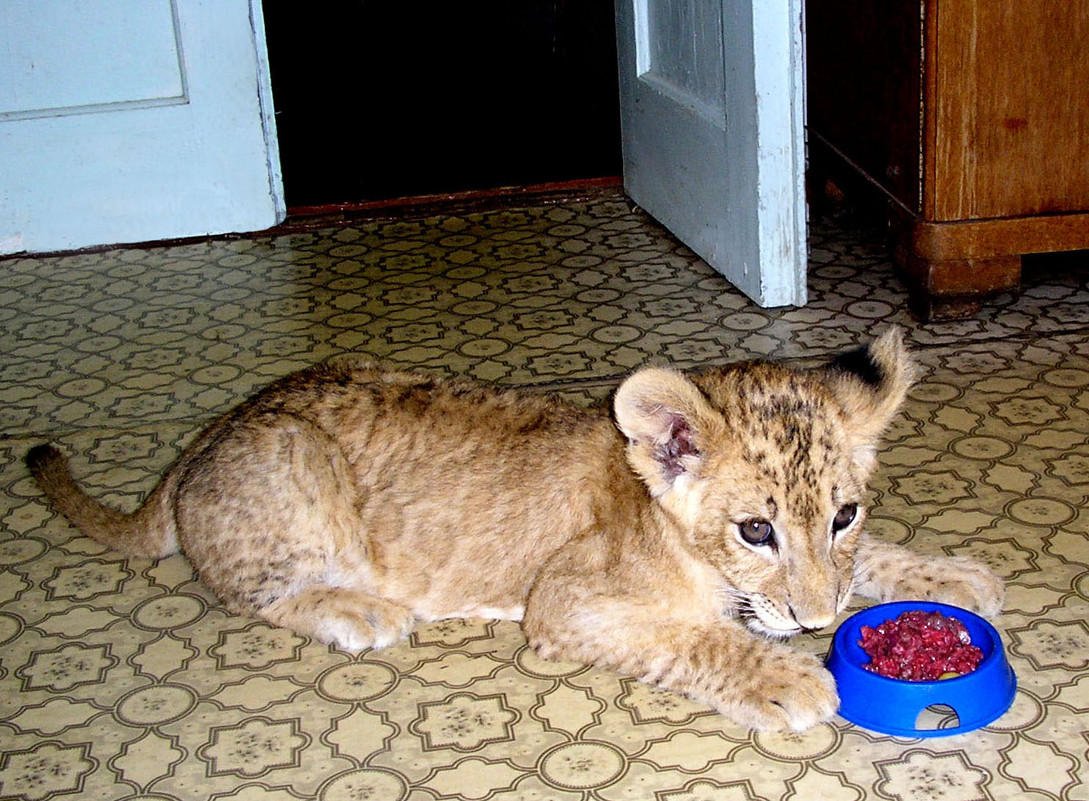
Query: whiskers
x=735, y=603
x=756, y=611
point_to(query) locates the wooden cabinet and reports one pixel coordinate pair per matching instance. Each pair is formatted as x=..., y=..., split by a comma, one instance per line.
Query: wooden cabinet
x=972, y=119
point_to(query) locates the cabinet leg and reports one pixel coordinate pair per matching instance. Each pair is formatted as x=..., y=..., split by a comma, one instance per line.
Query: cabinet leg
x=954, y=289
x=937, y=308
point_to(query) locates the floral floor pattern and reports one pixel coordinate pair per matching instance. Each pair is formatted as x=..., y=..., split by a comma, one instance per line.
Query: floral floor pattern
x=124, y=679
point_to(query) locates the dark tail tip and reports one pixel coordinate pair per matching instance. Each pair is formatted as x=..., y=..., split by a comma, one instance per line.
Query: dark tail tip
x=40, y=457
x=861, y=364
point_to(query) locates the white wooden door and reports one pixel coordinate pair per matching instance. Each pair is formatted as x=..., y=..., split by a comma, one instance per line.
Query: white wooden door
x=133, y=120
x=712, y=114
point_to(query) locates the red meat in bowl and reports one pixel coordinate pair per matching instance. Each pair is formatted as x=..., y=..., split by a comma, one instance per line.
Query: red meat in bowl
x=920, y=646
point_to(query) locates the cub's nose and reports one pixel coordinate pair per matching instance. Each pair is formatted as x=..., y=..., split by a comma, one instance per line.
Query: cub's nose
x=816, y=625
x=813, y=620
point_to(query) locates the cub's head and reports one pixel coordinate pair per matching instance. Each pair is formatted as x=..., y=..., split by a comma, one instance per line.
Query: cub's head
x=764, y=470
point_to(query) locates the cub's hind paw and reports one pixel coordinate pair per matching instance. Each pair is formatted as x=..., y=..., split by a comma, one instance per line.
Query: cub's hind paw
x=349, y=619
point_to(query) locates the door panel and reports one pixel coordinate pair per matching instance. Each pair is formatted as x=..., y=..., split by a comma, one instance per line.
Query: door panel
x=712, y=114
x=669, y=57
x=43, y=80
x=133, y=120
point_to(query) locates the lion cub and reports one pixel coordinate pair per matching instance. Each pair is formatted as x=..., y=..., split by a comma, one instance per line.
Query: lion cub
x=675, y=541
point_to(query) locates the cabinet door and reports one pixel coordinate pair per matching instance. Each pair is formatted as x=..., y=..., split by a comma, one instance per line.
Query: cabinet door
x=711, y=98
x=133, y=120
x=1008, y=109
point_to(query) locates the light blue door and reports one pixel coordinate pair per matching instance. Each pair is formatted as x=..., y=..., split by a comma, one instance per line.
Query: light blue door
x=712, y=112
x=133, y=120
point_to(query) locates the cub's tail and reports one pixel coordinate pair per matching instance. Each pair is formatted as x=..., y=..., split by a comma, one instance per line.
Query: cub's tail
x=150, y=531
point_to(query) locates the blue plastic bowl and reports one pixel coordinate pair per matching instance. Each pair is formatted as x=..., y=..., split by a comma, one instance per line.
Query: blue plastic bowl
x=893, y=706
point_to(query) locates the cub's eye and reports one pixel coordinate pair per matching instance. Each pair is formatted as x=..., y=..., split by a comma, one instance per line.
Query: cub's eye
x=844, y=517
x=757, y=532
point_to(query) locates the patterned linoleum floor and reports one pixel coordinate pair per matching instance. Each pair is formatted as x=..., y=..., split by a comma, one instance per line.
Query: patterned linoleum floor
x=125, y=680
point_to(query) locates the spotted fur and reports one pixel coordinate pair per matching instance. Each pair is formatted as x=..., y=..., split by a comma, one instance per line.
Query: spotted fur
x=677, y=540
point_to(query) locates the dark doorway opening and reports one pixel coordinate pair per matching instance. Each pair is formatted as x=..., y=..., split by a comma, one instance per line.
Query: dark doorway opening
x=379, y=100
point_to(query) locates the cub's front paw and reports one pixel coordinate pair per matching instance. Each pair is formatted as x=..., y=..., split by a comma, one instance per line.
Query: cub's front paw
x=887, y=572
x=791, y=690
x=959, y=581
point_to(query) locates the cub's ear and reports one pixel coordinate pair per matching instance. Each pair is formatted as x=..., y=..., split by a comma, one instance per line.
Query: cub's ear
x=667, y=421
x=871, y=384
